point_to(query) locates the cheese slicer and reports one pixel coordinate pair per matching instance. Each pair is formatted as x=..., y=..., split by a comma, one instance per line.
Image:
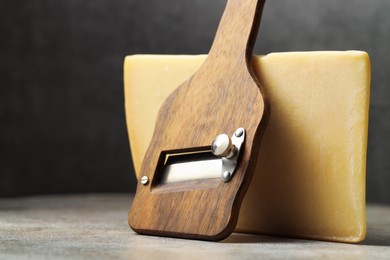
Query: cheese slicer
x=203, y=152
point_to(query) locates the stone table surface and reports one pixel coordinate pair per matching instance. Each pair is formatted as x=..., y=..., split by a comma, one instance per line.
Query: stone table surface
x=95, y=226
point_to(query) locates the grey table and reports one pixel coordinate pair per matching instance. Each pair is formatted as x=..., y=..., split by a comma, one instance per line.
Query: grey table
x=95, y=226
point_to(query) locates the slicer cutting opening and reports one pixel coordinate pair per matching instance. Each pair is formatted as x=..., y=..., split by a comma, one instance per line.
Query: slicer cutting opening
x=181, y=166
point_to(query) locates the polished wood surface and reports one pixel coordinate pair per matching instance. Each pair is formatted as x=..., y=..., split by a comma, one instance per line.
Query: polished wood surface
x=223, y=95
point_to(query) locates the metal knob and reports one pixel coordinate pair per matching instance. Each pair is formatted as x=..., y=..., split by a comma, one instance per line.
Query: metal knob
x=222, y=146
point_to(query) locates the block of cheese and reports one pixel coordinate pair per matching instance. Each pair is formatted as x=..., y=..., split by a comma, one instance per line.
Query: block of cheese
x=310, y=175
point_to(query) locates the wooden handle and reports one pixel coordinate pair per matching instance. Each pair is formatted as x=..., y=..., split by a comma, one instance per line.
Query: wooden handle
x=237, y=30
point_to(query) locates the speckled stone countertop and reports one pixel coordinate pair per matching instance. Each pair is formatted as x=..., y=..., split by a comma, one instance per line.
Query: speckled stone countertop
x=95, y=226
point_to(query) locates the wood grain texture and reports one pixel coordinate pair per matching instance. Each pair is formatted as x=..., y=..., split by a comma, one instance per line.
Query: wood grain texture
x=221, y=96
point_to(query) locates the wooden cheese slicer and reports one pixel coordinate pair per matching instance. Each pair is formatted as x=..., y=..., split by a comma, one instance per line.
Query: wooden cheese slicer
x=204, y=148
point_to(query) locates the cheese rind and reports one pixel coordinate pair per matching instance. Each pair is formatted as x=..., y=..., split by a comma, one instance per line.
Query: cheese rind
x=310, y=175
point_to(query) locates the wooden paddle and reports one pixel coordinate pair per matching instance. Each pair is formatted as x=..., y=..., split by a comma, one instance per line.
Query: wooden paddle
x=222, y=96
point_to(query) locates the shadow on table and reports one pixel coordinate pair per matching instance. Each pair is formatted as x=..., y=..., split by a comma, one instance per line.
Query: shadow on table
x=237, y=238
x=377, y=237
x=373, y=238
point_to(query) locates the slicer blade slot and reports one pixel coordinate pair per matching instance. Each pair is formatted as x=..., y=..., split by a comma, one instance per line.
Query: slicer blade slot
x=187, y=166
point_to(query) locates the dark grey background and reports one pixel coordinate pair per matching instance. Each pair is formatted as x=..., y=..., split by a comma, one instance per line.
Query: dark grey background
x=62, y=122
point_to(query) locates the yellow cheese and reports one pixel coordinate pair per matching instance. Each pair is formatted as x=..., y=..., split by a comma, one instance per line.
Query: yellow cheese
x=310, y=176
